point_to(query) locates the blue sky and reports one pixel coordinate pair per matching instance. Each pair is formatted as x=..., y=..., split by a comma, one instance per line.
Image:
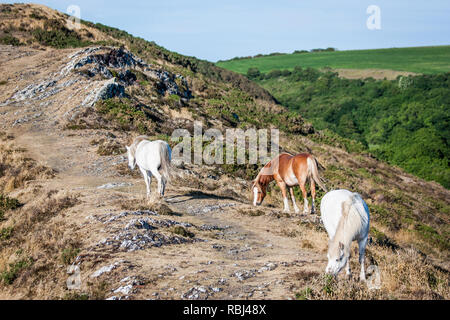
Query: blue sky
x=215, y=30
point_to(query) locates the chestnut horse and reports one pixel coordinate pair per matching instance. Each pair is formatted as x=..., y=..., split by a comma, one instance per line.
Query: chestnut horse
x=288, y=171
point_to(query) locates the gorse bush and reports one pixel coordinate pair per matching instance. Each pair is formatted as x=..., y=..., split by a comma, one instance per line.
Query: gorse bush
x=6, y=204
x=125, y=114
x=10, y=40
x=56, y=34
x=8, y=276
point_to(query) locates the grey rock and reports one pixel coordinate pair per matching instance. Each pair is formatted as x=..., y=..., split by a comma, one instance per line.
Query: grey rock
x=244, y=274
x=105, y=269
x=112, y=185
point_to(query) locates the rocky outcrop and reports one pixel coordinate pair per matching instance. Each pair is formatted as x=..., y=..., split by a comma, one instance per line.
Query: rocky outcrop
x=123, y=63
x=93, y=74
x=140, y=233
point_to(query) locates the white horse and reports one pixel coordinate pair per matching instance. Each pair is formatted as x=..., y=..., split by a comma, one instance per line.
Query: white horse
x=153, y=159
x=345, y=216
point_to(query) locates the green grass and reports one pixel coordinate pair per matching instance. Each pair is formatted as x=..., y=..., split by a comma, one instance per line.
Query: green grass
x=69, y=254
x=8, y=276
x=429, y=60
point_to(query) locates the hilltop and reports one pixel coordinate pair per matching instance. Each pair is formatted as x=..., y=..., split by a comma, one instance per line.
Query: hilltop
x=70, y=102
x=376, y=63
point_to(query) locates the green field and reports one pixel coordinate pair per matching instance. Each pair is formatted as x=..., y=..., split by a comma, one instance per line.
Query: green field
x=427, y=60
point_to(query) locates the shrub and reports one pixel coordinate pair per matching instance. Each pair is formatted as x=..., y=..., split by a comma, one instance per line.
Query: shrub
x=37, y=16
x=124, y=114
x=10, y=40
x=273, y=74
x=8, y=276
x=69, y=254
x=253, y=73
x=56, y=34
x=182, y=232
x=59, y=38
x=6, y=204
x=5, y=233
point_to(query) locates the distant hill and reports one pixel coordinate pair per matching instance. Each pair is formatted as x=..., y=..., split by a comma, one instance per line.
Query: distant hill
x=403, y=121
x=427, y=60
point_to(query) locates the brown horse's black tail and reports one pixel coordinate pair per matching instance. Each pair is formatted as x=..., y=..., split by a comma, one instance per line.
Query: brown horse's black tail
x=314, y=172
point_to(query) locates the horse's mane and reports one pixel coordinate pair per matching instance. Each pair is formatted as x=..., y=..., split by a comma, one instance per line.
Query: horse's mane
x=135, y=143
x=265, y=175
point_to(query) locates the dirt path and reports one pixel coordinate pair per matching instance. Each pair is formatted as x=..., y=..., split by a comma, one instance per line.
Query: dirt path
x=230, y=256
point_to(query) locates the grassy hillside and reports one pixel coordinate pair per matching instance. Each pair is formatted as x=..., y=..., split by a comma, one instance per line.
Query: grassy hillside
x=62, y=214
x=429, y=60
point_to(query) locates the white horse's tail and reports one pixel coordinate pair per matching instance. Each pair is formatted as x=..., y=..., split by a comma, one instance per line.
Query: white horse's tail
x=354, y=212
x=314, y=173
x=166, y=155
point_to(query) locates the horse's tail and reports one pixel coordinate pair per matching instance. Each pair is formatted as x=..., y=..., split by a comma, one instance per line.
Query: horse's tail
x=314, y=173
x=166, y=155
x=355, y=211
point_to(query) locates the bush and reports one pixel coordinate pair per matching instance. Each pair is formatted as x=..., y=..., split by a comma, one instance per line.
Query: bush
x=56, y=34
x=253, y=73
x=59, y=39
x=124, y=114
x=182, y=232
x=69, y=254
x=273, y=74
x=8, y=276
x=300, y=51
x=5, y=233
x=10, y=40
x=6, y=204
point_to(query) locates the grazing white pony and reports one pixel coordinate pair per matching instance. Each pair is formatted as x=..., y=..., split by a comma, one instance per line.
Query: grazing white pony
x=345, y=216
x=153, y=159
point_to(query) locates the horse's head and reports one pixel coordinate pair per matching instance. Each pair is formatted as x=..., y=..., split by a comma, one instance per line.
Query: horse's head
x=259, y=192
x=131, y=158
x=337, y=257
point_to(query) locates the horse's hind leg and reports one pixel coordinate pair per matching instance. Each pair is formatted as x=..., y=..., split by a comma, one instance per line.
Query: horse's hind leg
x=296, y=209
x=283, y=187
x=362, y=251
x=163, y=185
x=159, y=177
x=313, y=195
x=305, y=199
x=147, y=179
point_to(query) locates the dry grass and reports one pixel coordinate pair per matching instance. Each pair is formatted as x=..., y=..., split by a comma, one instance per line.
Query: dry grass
x=34, y=240
x=16, y=168
x=403, y=274
x=38, y=244
x=155, y=203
